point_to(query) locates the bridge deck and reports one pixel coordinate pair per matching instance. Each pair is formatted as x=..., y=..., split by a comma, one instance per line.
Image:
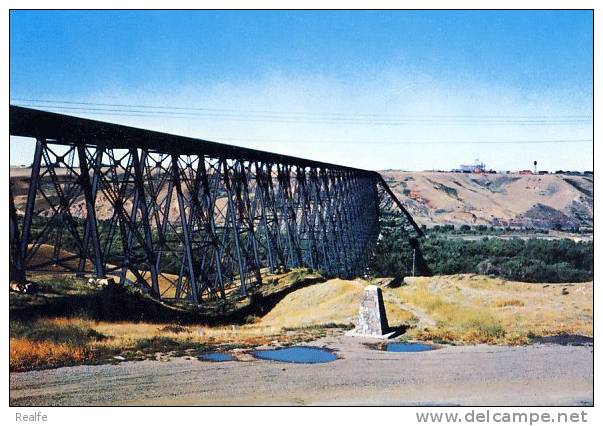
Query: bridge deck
x=65, y=129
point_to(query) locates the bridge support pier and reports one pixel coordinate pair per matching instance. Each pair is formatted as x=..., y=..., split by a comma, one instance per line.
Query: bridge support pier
x=182, y=218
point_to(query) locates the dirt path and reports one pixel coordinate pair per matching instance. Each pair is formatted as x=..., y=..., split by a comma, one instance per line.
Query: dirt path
x=421, y=315
x=474, y=375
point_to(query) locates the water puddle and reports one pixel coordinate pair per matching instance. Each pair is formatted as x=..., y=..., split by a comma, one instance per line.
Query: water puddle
x=297, y=354
x=215, y=357
x=408, y=347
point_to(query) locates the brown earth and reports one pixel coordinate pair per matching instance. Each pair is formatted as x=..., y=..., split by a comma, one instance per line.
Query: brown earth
x=434, y=198
x=540, y=201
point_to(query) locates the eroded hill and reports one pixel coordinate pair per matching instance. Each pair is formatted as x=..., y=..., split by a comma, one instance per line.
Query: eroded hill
x=434, y=198
x=539, y=201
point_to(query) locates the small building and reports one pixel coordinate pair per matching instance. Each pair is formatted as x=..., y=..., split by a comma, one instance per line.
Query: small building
x=526, y=172
x=478, y=167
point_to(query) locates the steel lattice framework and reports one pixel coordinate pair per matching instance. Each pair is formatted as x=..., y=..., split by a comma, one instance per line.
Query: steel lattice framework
x=182, y=217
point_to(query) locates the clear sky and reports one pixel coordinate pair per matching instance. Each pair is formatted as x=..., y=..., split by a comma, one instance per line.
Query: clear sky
x=392, y=89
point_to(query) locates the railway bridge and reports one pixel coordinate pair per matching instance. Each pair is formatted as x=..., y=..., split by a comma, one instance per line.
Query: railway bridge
x=185, y=218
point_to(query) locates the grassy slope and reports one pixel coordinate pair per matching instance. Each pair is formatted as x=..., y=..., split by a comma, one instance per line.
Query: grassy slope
x=474, y=308
x=456, y=309
x=332, y=302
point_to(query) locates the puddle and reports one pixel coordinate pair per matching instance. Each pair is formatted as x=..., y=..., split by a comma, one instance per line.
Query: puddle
x=297, y=354
x=408, y=347
x=215, y=357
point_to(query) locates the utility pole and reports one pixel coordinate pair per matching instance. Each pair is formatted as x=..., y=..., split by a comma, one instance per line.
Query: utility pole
x=414, y=257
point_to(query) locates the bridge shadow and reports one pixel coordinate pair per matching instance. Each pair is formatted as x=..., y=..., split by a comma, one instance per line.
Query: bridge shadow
x=119, y=303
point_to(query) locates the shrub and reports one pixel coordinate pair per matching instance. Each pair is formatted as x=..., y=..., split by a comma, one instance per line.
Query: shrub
x=173, y=328
x=508, y=302
x=252, y=319
x=157, y=344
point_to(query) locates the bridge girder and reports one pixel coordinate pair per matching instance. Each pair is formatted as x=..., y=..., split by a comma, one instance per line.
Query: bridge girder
x=185, y=218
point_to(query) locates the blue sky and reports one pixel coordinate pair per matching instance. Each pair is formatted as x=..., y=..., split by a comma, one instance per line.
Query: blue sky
x=385, y=89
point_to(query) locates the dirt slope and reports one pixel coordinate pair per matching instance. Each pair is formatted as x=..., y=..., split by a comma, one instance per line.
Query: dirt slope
x=540, y=201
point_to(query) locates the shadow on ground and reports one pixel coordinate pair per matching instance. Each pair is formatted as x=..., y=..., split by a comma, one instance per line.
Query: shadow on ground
x=119, y=303
x=565, y=340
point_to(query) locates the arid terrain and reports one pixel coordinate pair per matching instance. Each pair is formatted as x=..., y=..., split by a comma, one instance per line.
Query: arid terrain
x=439, y=198
x=498, y=342
x=540, y=201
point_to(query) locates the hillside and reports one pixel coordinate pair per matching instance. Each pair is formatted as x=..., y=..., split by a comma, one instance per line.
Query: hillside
x=439, y=198
x=539, y=201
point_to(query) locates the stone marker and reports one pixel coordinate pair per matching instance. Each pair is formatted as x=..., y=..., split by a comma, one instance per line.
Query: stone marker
x=372, y=321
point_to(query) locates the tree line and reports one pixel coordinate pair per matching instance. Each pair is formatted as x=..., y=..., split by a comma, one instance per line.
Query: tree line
x=528, y=260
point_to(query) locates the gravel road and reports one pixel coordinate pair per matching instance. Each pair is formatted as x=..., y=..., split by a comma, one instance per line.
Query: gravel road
x=543, y=374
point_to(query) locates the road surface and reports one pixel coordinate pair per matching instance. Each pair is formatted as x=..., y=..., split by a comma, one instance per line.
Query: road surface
x=543, y=374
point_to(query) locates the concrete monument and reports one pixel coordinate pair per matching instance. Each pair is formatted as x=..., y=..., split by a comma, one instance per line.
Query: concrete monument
x=372, y=321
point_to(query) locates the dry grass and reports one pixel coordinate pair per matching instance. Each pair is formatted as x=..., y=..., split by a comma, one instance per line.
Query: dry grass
x=127, y=334
x=53, y=342
x=501, y=303
x=26, y=354
x=83, y=340
x=465, y=308
x=303, y=315
x=473, y=308
x=335, y=301
x=455, y=321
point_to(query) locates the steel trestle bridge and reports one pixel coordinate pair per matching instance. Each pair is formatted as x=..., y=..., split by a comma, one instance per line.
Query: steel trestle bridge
x=185, y=218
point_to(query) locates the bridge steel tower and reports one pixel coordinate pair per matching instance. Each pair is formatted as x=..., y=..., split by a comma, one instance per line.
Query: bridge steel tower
x=185, y=218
